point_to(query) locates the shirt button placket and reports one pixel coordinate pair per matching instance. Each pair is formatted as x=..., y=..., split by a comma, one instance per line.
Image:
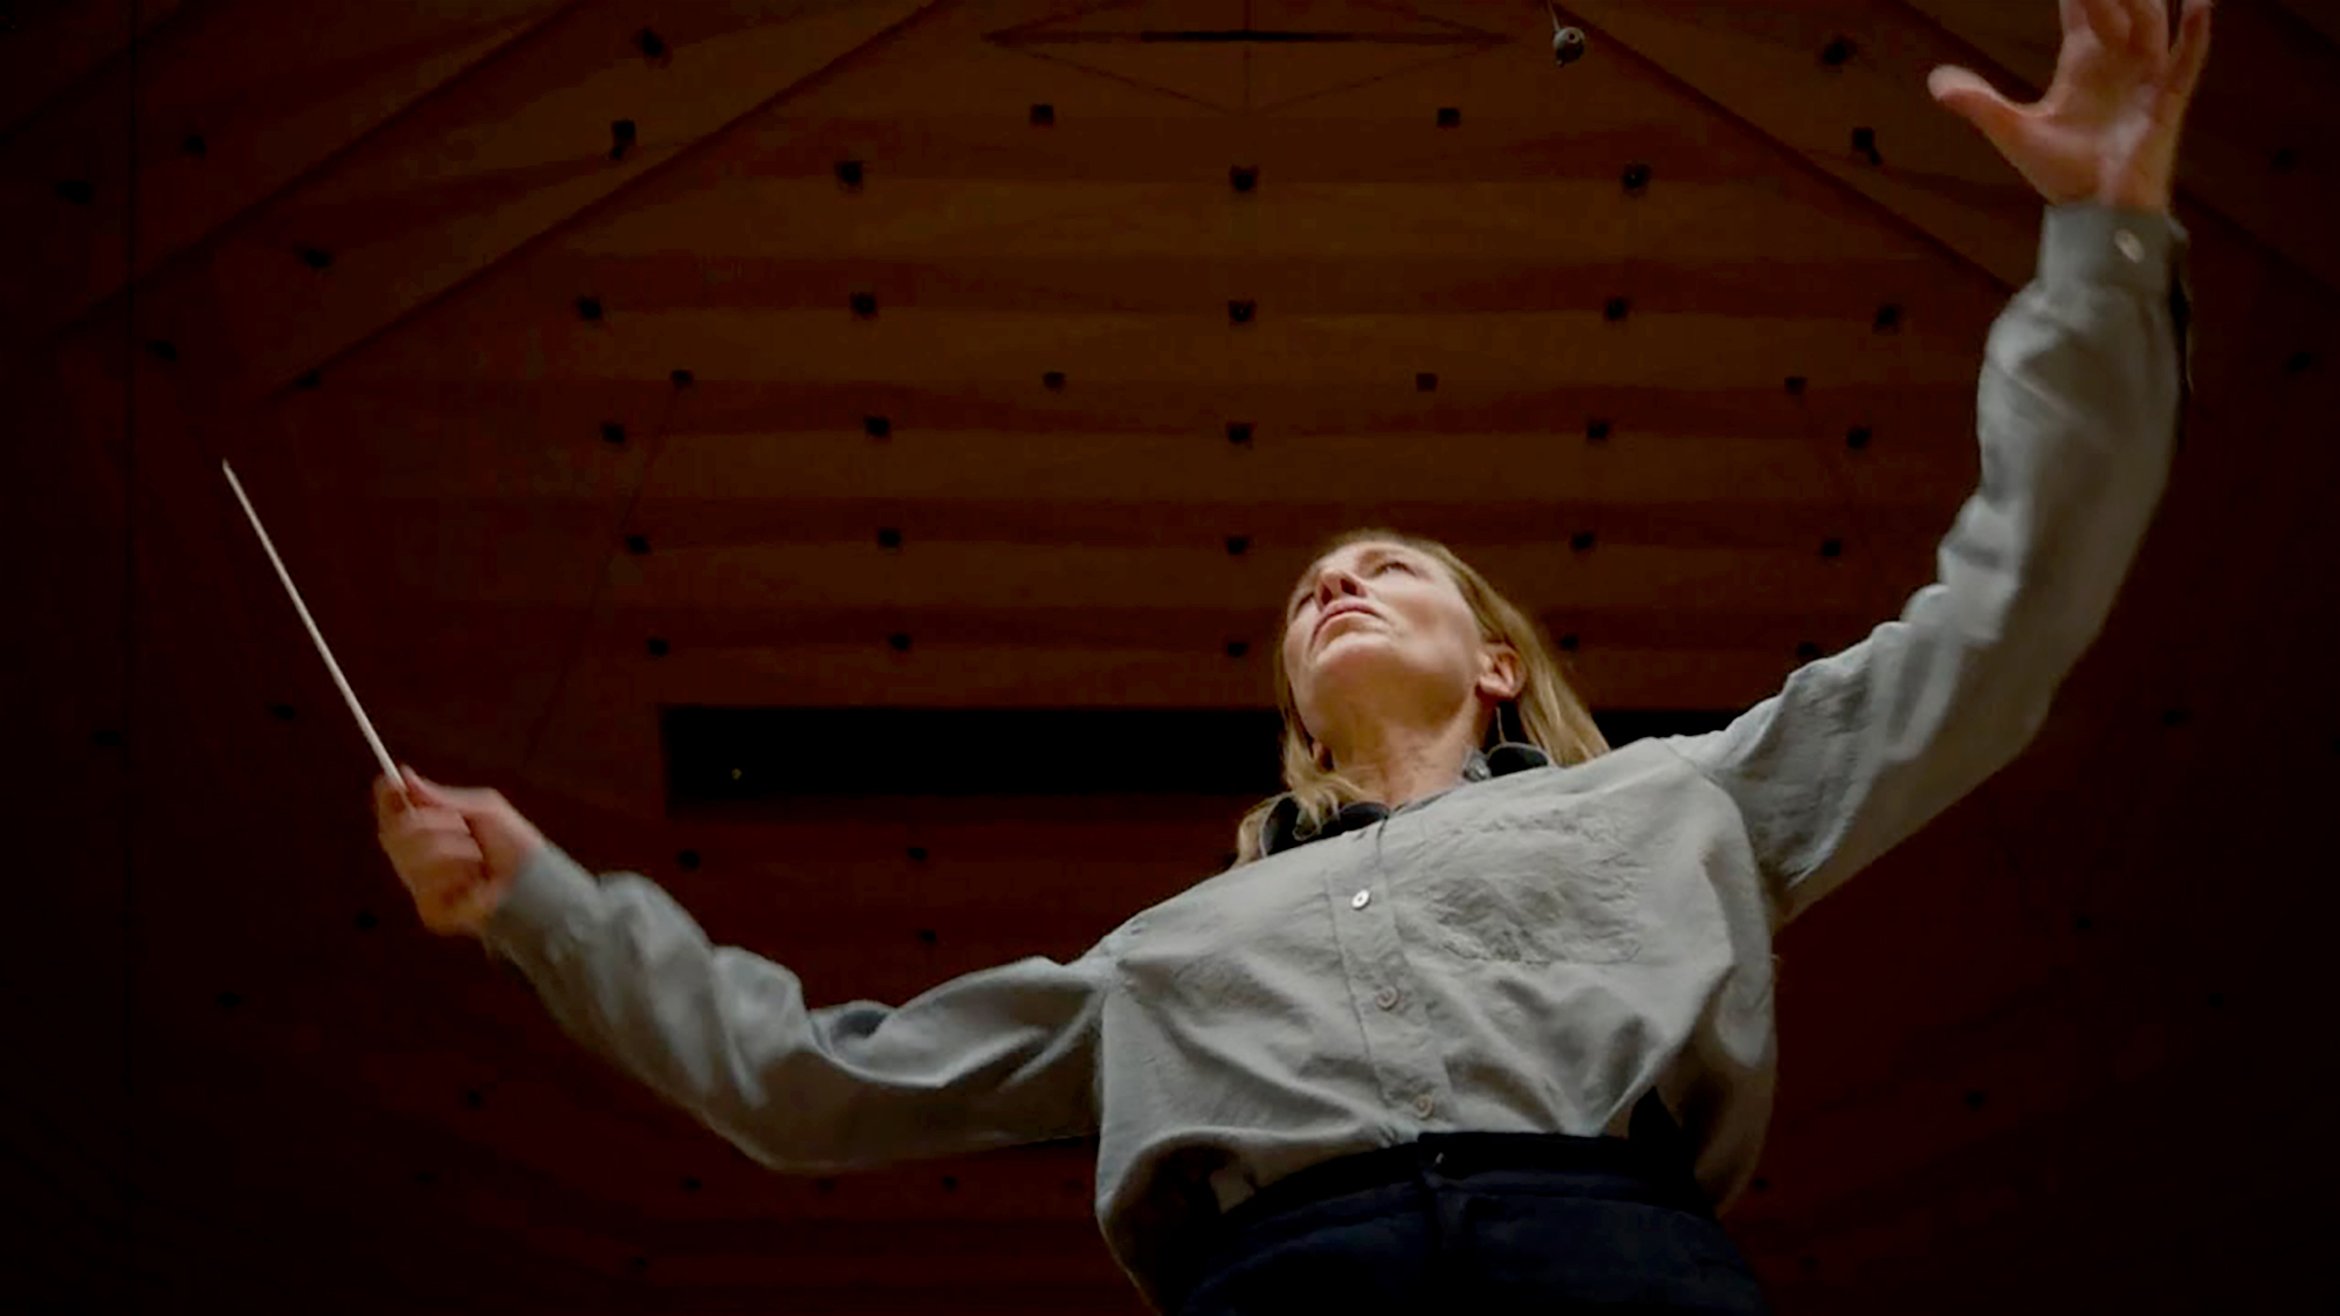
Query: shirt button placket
x=1410, y=1063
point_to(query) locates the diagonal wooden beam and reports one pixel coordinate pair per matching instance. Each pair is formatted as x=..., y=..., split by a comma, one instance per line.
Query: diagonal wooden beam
x=45, y=64
x=1953, y=195
x=906, y=16
x=100, y=299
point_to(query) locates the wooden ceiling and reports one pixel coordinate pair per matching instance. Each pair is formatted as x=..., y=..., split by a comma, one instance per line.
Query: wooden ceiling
x=970, y=421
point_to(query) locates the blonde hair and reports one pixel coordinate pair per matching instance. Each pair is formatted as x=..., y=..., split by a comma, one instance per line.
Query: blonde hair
x=1548, y=713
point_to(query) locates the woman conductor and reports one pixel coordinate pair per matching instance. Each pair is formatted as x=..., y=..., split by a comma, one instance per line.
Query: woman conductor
x=1481, y=1018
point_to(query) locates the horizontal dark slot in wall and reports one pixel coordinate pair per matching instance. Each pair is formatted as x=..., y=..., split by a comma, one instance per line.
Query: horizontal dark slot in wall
x=722, y=756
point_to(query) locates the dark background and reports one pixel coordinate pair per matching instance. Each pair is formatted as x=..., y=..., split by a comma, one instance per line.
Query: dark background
x=980, y=376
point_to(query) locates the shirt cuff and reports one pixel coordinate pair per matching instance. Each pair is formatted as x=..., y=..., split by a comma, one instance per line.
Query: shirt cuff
x=547, y=895
x=2098, y=244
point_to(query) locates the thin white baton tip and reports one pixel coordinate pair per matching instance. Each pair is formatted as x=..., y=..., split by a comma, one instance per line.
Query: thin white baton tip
x=389, y=769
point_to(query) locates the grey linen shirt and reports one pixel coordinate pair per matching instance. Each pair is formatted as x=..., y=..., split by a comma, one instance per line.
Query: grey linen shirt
x=1524, y=952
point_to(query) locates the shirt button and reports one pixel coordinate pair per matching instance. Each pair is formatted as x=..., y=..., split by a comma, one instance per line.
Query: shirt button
x=1423, y=1105
x=1386, y=998
x=1358, y=900
x=2130, y=245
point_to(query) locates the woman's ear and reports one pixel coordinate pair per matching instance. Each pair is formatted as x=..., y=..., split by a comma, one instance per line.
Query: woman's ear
x=1501, y=675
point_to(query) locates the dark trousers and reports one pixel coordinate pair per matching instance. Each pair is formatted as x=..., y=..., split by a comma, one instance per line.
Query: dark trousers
x=1481, y=1223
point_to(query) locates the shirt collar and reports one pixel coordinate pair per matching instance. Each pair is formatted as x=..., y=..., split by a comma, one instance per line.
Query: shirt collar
x=1483, y=764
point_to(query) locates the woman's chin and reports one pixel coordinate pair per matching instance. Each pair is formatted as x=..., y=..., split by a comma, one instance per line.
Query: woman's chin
x=1352, y=661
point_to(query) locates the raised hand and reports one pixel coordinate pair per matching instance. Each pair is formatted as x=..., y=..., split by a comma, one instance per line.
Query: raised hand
x=2107, y=129
x=456, y=849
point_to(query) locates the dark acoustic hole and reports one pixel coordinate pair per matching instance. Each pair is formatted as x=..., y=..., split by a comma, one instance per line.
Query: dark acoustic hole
x=589, y=308
x=613, y=433
x=690, y=1183
x=1243, y=178
x=366, y=922
x=657, y=647
x=1237, y=648
x=308, y=380
x=681, y=378
x=1425, y=382
x=1831, y=548
x=1237, y=545
x=1807, y=651
x=1761, y=1184
x=1810, y=1264
x=316, y=258
x=162, y=349
x=1053, y=381
x=1239, y=432
x=1635, y=179
x=425, y=1178
x=1857, y=437
x=864, y=304
x=1795, y=386
x=926, y=936
x=638, y=545
x=229, y=1000
x=1568, y=643
x=621, y=138
x=2284, y=160
x=650, y=44
x=1864, y=144
x=2175, y=717
x=2216, y=1000
x=474, y=1099
x=916, y=853
x=1974, y=1098
x=281, y=712
x=1888, y=318
x=900, y=642
x=637, y=1264
x=2082, y=923
x=1582, y=541
x=1617, y=308
x=687, y=860
x=105, y=738
x=877, y=427
x=1449, y=117
x=2299, y=363
x=193, y=144
x=888, y=537
x=824, y=1185
x=1836, y=53
x=76, y=190
x=849, y=175
x=1043, y=116
x=950, y=1183
x=1241, y=312
x=1596, y=430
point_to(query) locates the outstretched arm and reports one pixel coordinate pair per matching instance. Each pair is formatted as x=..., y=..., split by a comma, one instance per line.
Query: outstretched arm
x=2077, y=414
x=1000, y=1056
x=996, y=1057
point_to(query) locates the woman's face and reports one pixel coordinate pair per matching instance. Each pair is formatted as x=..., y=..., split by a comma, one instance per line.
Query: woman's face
x=1377, y=630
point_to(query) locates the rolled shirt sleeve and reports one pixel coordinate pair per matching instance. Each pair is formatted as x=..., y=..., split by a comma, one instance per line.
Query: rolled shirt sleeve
x=2078, y=407
x=996, y=1057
